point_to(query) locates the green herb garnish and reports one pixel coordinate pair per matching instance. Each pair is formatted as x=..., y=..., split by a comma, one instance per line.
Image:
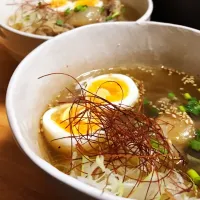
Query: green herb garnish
x=80, y=8
x=157, y=146
x=187, y=96
x=194, y=176
x=198, y=134
x=195, y=143
x=171, y=96
x=182, y=108
x=111, y=17
x=116, y=14
x=27, y=17
x=67, y=12
x=39, y=4
x=59, y=22
x=102, y=9
x=146, y=102
x=193, y=106
x=154, y=111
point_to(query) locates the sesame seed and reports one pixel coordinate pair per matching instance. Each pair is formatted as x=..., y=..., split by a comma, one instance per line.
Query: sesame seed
x=173, y=115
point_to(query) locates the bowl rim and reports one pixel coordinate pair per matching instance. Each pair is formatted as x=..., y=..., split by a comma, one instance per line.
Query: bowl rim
x=41, y=163
x=144, y=17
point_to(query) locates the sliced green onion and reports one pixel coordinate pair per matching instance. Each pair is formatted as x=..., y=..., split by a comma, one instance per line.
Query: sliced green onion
x=67, y=11
x=187, y=96
x=171, y=96
x=198, y=134
x=109, y=18
x=116, y=14
x=194, y=176
x=102, y=9
x=195, y=145
x=155, y=144
x=146, y=102
x=39, y=4
x=182, y=109
x=154, y=111
x=59, y=22
x=80, y=8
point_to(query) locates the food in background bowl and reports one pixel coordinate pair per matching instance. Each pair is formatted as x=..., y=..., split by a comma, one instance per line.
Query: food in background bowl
x=52, y=17
x=118, y=131
x=10, y=37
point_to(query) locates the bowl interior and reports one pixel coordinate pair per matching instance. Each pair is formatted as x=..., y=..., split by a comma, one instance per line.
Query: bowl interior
x=84, y=49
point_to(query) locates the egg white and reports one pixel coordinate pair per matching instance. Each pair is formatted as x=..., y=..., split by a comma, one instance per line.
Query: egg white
x=70, y=5
x=133, y=95
x=53, y=131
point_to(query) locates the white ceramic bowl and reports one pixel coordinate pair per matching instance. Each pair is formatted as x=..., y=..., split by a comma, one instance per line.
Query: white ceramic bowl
x=20, y=44
x=82, y=50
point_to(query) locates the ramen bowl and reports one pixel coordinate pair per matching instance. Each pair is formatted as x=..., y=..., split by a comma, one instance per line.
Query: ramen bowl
x=83, y=50
x=19, y=44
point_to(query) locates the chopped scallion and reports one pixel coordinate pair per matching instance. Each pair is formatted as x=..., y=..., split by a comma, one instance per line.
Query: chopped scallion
x=195, y=145
x=187, y=96
x=182, y=108
x=171, y=95
x=116, y=14
x=194, y=176
x=198, y=134
x=146, y=102
x=80, y=8
x=102, y=9
x=109, y=18
x=59, y=22
x=67, y=11
x=155, y=144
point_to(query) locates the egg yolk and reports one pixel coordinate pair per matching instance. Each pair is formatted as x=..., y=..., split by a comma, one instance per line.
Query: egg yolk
x=76, y=120
x=113, y=89
x=86, y=2
x=58, y=3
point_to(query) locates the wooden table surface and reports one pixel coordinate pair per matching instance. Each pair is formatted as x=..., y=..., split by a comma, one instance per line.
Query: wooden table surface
x=20, y=178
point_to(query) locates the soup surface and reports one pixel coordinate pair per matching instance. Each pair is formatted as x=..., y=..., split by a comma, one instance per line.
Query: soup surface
x=52, y=17
x=132, y=132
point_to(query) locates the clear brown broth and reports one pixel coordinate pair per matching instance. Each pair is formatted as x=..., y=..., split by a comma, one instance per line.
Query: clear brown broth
x=157, y=83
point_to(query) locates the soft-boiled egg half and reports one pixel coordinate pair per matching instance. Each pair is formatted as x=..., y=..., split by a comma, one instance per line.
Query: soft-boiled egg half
x=63, y=5
x=68, y=124
x=116, y=88
x=63, y=125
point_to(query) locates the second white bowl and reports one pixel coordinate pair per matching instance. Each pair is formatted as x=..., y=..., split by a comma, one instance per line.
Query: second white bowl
x=20, y=44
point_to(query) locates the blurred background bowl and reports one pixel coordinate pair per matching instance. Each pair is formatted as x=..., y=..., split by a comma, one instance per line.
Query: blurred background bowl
x=19, y=44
